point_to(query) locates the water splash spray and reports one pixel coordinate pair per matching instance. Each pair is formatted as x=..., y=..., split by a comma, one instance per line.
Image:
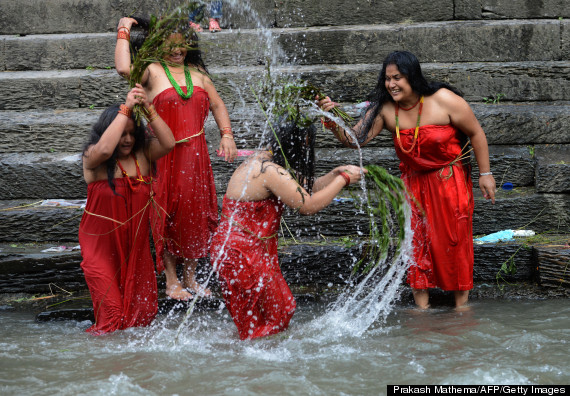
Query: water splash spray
x=371, y=298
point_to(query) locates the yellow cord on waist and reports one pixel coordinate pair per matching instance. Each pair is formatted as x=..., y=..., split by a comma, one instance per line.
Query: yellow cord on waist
x=190, y=137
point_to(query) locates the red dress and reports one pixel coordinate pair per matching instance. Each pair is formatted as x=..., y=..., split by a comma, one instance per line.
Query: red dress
x=245, y=252
x=117, y=263
x=443, y=227
x=185, y=192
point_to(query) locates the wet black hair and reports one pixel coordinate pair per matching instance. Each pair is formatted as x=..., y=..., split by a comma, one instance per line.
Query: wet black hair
x=193, y=55
x=293, y=148
x=409, y=66
x=100, y=126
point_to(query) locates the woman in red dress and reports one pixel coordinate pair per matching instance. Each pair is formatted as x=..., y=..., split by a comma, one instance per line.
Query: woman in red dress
x=183, y=93
x=430, y=123
x=114, y=231
x=244, y=248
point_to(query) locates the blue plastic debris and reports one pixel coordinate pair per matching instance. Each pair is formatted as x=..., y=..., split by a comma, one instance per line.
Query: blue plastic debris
x=504, y=235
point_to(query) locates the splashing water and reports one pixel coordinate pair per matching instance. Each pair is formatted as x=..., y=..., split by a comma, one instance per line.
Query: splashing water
x=359, y=306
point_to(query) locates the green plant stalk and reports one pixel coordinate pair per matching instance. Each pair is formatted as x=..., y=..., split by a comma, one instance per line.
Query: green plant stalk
x=155, y=47
x=387, y=189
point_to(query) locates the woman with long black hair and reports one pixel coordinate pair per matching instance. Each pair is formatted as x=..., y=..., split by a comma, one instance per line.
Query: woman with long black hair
x=182, y=91
x=244, y=247
x=431, y=124
x=118, y=162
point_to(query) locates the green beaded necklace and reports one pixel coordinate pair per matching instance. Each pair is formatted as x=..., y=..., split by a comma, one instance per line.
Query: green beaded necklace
x=189, y=85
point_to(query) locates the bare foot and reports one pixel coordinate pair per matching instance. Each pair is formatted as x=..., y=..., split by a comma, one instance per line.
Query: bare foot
x=197, y=288
x=177, y=292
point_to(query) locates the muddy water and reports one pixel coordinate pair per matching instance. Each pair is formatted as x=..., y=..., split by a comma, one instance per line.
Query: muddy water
x=494, y=342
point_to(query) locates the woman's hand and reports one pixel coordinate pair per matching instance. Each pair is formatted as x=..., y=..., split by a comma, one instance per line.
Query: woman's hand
x=326, y=104
x=127, y=23
x=488, y=187
x=227, y=148
x=137, y=95
x=354, y=172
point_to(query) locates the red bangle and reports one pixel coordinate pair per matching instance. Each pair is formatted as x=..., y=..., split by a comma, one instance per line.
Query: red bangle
x=121, y=34
x=329, y=124
x=124, y=109
x=124, y=27
x=345, y=177
x=226, y=131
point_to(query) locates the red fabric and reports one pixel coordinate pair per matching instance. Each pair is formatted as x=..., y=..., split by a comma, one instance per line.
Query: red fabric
x=245, y=252
x=117, y=263
x=443, y=232
x=185, y=192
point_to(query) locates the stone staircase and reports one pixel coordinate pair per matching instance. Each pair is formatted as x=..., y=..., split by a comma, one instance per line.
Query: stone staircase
x=511, y=60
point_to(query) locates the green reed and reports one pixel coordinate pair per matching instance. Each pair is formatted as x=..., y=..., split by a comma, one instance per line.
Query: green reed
x=386, y=198
x=156, y=45
x=292, y=99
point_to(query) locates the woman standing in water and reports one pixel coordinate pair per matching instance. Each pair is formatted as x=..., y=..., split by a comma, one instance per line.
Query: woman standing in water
x=114, y=230
x=244, y=248
x=183, y=93
x=430, y=122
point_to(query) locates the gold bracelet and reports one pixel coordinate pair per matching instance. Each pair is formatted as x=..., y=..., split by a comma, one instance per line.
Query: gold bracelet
x=228, y=135
x=154, y=117
x=150, y=114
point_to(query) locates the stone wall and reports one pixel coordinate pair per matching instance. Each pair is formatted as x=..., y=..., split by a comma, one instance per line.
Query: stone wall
x=511, y=59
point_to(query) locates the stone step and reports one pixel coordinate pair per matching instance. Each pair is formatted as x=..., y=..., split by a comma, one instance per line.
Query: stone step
x=71, y=89
x=553, y=166
x=521, y=208
x=26, y=268
x=450, y=41
x=455, y=41
x=66, y=130
x=69, y=16
x=61, y=174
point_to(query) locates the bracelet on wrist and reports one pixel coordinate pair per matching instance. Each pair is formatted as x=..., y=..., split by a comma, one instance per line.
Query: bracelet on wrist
x=485, y=174
x=329, y=124
x=150, y=114
x=122, y=35
x=124, y=109
x=228, y=136
x=226, y=131
x=345, y=177
x=123, y=27
x=152, y=117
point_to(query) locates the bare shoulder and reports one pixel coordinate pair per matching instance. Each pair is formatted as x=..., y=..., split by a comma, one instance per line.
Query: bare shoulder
x=445, y=96
x=255, y=168
x=387, y=110
x=204, y=78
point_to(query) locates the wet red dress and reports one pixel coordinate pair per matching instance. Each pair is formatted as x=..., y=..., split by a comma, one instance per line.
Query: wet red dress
x=443, y=227
x=187, y=211
x=117, y=263
x=245, y=252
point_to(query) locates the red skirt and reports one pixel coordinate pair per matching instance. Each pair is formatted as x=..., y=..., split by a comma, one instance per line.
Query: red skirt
x=185, y=193
x=443, y=221
x=244, y=250
x=118, y=267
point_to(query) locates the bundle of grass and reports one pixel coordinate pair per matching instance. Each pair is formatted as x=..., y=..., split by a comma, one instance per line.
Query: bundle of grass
x=386, y=199
x=292, y=100
x=156, y=44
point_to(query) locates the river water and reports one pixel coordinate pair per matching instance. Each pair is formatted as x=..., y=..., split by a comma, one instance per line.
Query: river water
x=493, y=342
